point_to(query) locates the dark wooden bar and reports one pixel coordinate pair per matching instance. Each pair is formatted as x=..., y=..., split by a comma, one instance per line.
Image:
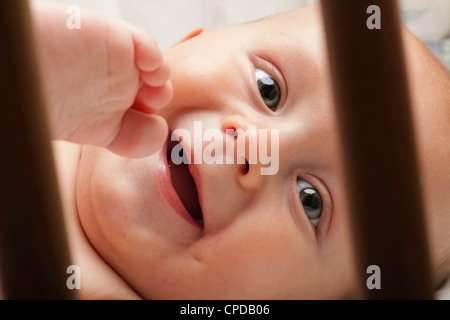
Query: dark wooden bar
x=34, y=253
x=377, y=134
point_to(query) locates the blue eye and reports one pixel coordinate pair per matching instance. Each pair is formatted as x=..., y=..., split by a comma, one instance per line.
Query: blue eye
x=311, y=201
x=268, y=89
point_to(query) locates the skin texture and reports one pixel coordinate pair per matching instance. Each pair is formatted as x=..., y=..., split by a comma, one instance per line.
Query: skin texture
x=257, y=241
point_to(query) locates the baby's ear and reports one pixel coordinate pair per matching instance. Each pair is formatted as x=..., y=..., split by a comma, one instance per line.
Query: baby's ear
x=193, y=34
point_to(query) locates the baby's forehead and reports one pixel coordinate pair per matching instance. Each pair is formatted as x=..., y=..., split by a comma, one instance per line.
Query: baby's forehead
x=306, y=25
x=295, y=20
x=290, y=33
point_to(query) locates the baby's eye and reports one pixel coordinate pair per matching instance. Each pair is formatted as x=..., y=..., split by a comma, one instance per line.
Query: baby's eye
x=311, y=201
x=268, y=88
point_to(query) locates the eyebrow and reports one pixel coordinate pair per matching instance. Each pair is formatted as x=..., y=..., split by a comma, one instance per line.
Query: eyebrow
x=296, y=63
x=314, y=166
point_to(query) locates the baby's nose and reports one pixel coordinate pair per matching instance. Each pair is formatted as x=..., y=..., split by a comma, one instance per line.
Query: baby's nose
x=251, y=143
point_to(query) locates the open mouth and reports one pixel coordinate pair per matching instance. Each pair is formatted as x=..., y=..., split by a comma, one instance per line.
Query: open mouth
x=184, y=183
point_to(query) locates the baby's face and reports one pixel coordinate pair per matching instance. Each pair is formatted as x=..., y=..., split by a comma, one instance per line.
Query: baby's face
x=263, y=236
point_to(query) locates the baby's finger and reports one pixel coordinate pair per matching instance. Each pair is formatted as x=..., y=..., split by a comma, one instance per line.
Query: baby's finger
x=140, y=135
x=148, y=55
x=157, y=77
x=154, y=98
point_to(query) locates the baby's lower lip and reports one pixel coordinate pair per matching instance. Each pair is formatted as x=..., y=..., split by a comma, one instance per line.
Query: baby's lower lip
x=167, y=189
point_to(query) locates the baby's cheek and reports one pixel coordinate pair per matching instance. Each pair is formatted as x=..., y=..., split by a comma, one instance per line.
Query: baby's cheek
x=265, y=254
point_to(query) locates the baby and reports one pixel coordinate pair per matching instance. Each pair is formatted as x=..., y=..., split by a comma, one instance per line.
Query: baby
x=242, y=235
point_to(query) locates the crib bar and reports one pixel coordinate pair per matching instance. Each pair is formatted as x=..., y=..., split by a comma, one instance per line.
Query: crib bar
x=375, y=121
x=33, y=247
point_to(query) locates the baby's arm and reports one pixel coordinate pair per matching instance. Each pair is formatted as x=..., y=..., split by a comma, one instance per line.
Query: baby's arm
x=94, y=76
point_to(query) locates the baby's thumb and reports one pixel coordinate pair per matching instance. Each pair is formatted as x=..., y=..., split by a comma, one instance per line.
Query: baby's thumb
x=140, y=135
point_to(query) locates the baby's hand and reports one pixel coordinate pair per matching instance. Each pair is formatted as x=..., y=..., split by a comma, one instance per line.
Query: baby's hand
x=140, y=133
x=103, y=82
